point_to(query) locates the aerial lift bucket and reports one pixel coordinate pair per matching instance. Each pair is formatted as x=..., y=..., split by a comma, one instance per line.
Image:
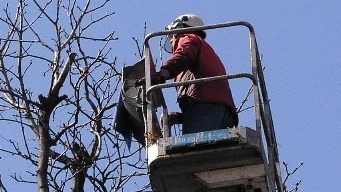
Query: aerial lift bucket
x=233, y=159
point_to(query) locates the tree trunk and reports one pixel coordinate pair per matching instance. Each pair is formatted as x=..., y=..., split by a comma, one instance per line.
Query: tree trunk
x=80, y=168
x=79, y=181
x=43, y=158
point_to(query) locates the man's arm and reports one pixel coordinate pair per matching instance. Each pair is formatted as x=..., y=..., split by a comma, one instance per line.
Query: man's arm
x=184, y=56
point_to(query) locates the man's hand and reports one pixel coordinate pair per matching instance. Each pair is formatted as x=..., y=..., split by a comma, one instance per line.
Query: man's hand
x=155, y=78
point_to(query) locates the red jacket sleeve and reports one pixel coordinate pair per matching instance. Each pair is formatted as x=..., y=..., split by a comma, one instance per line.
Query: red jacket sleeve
x=184, y=56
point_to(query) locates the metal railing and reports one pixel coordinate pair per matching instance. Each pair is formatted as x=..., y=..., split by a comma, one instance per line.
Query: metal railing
x=263, y=117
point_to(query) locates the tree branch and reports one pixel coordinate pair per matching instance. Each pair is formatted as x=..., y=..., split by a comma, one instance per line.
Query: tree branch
x=288, y=175
x=61, y=79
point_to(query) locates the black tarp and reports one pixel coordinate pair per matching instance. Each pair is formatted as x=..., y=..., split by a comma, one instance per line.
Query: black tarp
x=129, y=117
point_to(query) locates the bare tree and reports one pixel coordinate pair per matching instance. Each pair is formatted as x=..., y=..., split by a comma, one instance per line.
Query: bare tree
x=59, y=85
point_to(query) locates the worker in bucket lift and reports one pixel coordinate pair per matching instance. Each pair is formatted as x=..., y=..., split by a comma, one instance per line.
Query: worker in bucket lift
x=205, y=106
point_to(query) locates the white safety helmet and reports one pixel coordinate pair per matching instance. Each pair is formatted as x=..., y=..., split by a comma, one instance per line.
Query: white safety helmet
x=187, y=20
x=183, y=21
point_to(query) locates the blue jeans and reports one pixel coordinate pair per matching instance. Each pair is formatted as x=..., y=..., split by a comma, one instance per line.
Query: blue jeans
x=206, y=117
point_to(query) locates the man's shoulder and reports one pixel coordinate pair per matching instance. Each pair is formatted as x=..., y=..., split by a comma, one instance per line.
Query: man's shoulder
x=192, y=39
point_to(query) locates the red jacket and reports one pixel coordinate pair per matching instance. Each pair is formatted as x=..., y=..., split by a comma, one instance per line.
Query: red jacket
x=194, y=58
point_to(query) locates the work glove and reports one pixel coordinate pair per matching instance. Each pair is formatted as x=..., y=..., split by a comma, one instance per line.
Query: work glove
x=155, y=78
x=173, y=118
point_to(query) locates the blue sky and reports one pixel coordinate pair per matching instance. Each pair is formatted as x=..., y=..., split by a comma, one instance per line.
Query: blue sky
x=300, y=46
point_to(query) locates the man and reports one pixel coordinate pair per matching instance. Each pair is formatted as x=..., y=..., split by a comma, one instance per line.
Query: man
x=205, y=106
